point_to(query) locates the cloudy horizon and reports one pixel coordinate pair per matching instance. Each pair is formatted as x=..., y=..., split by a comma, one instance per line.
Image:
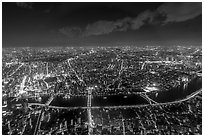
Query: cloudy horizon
x=49, y=24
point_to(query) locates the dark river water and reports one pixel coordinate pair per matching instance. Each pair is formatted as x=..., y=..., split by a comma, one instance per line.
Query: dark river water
x=118, y=100
x=174, y=94
x=177, y=93
x=72, y=102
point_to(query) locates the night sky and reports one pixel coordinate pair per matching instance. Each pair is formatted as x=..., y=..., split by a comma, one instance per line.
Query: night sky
x=83, y=24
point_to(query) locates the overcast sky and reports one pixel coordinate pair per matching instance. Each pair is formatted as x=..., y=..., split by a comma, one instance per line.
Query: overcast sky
x=68, y=24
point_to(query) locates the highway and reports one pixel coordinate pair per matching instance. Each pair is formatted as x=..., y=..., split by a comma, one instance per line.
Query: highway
x=164, y=62
x=81, y=80
x=147, y=98
x=38, y=124
x=90, y=121
x=21, y=91
x=123, y=126
x=37, y=127
x=16, y=69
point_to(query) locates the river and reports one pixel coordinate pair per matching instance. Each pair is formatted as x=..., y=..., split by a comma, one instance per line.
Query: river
x=174, y=94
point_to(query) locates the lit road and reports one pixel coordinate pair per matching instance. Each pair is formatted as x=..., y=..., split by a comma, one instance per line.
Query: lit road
x=81, y=80
x=90, y=121
x=21, y=91
x=38, y=124
x=160, y=62
x=16, y=69
x=39, y=120
x=144, y=95
x=120, y=71
x=49, y=100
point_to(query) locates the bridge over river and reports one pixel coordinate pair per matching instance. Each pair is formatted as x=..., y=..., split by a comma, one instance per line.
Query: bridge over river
x=139, y=99
x=89, y=102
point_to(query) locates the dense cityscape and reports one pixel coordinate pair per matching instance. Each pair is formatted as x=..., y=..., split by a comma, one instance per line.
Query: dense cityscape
x=124, y=90
x=101, y=68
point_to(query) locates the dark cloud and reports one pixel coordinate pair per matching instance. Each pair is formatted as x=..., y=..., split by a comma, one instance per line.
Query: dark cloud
x=27, y=5
x=172, y=12
x=105, y=27
x=99, y=27
x=177, y=12
x=141, y=18
x=71, y=31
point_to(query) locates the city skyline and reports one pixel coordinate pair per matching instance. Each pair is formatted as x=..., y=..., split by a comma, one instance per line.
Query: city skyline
x=102, y=68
